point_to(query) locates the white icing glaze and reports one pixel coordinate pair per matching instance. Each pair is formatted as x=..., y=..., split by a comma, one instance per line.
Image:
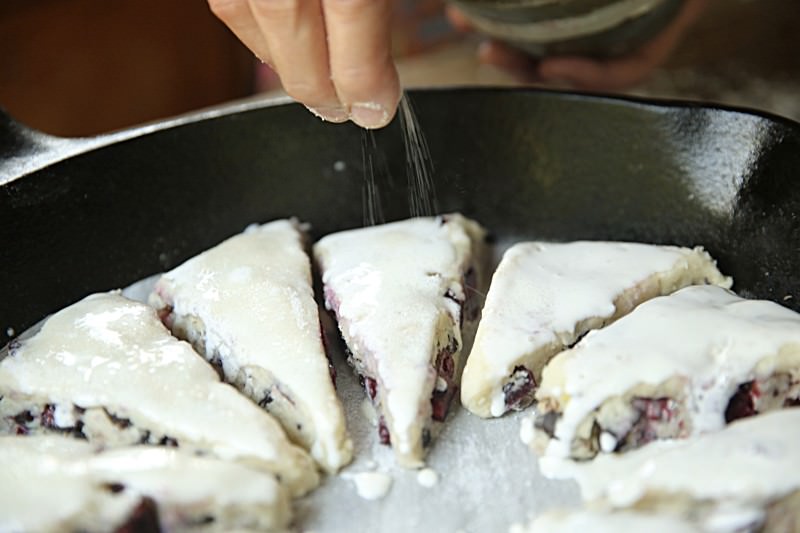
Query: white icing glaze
x=608, y=442
x=254, y=295
x=739, y=470
x=584, y=521
x=372, y=485
x=368, y=410
x=53, y=483
x=526, y=430
x=543, y=294
x=427, y=477
x=108, y=351
x=387, y=285
x=709, y=337
x=64, y=416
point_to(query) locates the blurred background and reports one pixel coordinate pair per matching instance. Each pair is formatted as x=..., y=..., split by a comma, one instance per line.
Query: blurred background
x=82, y=67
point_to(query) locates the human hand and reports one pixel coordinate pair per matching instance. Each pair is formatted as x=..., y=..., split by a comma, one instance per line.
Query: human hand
x=333, y=56
x=586, y=73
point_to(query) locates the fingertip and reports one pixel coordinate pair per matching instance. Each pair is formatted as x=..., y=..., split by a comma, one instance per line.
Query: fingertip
x=457, y=18
x=484, y=52
x=369, y=115
x=374, y=104
x=520, y=64
x=496, y=53
x=335, y=114
x=378, y=112
x=550, y=70
x=572, y=70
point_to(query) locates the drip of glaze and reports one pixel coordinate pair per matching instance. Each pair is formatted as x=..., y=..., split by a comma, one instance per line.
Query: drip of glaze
x=427, y=477
x=372, y=485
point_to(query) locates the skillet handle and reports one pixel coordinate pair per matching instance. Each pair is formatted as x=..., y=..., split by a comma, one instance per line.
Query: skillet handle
x=24, y=150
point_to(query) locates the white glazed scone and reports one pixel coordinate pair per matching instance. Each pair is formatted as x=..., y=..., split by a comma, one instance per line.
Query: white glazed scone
x=248, y=306
x=106, y=369
x=400, y=293
x=55, y=483
x=742, y=478
x=677, y=366
x=591, y=521
x=545, y=296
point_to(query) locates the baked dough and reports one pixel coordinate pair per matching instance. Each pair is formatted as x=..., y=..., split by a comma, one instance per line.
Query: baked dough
x=400, y=292
x=742, y=478
x=106, y=369
x=545, y=296
x=247, y=305
x=55, y=483
x=677, y=366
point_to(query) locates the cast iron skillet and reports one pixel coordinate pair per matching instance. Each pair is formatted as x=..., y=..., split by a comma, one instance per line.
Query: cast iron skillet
x=89, y=215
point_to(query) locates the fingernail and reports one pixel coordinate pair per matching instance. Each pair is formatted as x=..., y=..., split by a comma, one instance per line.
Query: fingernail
x=330, y=114
x=369, y=115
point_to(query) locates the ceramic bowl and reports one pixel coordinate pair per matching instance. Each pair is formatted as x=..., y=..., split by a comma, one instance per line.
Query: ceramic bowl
x=595, y=28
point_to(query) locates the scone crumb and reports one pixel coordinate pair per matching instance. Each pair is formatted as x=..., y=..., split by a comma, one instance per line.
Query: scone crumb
x=427, y=477
x=371, y=485
x=526, y=432
x=608, y=442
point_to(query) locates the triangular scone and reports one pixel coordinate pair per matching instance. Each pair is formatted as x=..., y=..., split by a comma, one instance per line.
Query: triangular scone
x=400, y=292
x=248, y=306
x=56, y=483
x=677, y=366
x=106, y=369
x=744, y=476
x=545, y=296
